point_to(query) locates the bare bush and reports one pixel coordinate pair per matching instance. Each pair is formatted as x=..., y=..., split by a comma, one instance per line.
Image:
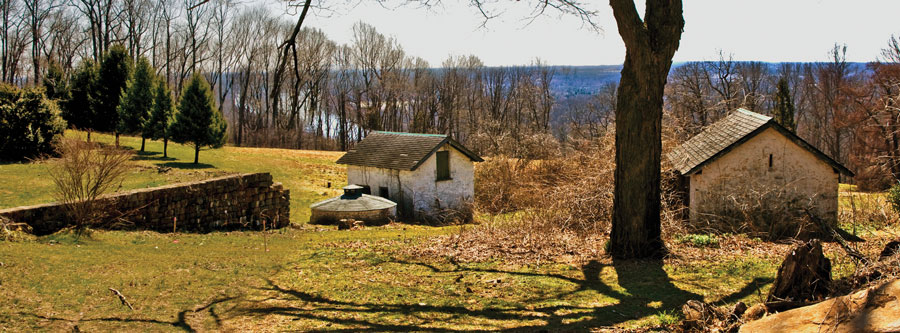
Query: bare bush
x=759, y=210
x=556, y=207
x=444, y=215
x=82, y=174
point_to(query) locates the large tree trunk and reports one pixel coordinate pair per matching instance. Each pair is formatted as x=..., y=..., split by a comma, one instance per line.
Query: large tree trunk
x=196, y=153
x=649, y=47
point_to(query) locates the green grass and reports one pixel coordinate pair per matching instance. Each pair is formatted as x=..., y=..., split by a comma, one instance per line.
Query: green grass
x=305, y=173
x=337, y=280
x=698, y=240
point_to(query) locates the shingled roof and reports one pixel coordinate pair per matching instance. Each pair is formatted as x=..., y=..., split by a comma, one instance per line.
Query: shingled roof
x=729, y=132
x=399, y=151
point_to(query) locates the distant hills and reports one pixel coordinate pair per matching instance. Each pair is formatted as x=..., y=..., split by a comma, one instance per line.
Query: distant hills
x=586, y=80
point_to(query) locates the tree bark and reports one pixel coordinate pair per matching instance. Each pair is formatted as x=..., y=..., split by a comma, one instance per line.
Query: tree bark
x=143, y=140
x=650, y=45
x=196, y=153
x=165, y=147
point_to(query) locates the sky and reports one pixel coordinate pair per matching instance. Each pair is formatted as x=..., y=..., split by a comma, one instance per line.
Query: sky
x=763, y=30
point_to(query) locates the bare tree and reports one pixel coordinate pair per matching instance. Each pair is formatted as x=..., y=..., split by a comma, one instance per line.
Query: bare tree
x=650, y=44
x=37, y=12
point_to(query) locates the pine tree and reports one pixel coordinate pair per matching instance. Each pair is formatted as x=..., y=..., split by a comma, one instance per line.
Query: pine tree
x=78, y=110
x=784, y=106
x=136, y=101
x=162, y=114
x=54, y=82
x=198, y=121
x=113, y=77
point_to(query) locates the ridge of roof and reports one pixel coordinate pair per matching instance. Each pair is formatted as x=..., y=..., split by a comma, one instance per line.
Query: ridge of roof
x=412, y=134
x=754, y=114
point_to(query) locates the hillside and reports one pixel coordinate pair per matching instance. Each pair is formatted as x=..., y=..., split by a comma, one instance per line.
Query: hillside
x=306, y=173
x=313, y=278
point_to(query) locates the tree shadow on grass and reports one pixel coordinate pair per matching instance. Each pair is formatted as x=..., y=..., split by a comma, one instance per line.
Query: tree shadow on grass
x=648, y=290
x=181, y=321
x=187, y=165
x=151, y=156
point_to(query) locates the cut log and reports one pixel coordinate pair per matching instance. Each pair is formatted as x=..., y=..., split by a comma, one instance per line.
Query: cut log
x=874, y=309
x=804, y=276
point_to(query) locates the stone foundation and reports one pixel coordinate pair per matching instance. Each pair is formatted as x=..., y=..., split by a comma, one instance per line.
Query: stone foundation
x=369, y=217
x=224, y=203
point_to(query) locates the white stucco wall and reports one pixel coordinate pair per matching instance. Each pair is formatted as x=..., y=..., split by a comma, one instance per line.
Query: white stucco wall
x=418, y=191
x=746, y=168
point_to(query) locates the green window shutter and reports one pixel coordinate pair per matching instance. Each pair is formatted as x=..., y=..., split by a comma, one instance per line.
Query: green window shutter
x=443, y=165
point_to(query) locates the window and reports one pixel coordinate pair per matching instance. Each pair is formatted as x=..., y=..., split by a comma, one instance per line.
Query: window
x=770, y=161
x=383, y=192
x=443, y=165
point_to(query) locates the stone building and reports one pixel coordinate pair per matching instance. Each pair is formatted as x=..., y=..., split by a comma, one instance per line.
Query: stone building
x=428, y=175
x=745, y=155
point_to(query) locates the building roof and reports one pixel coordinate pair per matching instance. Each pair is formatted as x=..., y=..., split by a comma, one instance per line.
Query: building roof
x=353, y=203
x=400, y=151
x=729, y=132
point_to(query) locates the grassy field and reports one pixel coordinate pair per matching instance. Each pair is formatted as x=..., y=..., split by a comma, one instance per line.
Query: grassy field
x=310, y=278
x=336, y=280
x=306, y=173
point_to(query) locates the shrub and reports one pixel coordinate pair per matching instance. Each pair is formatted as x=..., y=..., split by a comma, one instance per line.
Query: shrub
x=83, y=173
x=29, y=123
x=894, y=197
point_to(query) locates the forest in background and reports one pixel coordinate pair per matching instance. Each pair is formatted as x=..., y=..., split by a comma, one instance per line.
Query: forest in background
x=335, y=93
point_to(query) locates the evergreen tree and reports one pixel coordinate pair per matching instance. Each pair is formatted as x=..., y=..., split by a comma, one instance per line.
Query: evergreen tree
x=136, y=101
x=161, y=115
x=784, y=106
x=78, y=109
x=113, y=77
x=198, y=121
x=55, y=85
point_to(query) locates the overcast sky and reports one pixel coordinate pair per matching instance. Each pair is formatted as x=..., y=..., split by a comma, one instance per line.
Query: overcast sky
x=766, y=30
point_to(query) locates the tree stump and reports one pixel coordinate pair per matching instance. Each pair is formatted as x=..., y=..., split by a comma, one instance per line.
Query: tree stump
x=804, y=276
x=890, y=249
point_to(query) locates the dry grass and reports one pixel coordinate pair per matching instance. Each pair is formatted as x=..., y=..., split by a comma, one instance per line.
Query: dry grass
x=859, y=211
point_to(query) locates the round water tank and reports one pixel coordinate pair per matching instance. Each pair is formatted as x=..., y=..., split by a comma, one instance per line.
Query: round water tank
x=353, y=204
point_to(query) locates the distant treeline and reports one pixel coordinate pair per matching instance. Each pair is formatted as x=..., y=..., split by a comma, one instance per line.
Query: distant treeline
x=328, y=95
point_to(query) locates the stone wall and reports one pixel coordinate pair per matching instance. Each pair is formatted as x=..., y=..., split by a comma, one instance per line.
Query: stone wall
x=224, y=203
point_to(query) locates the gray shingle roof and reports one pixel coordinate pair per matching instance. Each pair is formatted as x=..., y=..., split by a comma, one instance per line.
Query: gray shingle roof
x=715, y=138
x=729, y=132
x=353, y=203
x=399, y=151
